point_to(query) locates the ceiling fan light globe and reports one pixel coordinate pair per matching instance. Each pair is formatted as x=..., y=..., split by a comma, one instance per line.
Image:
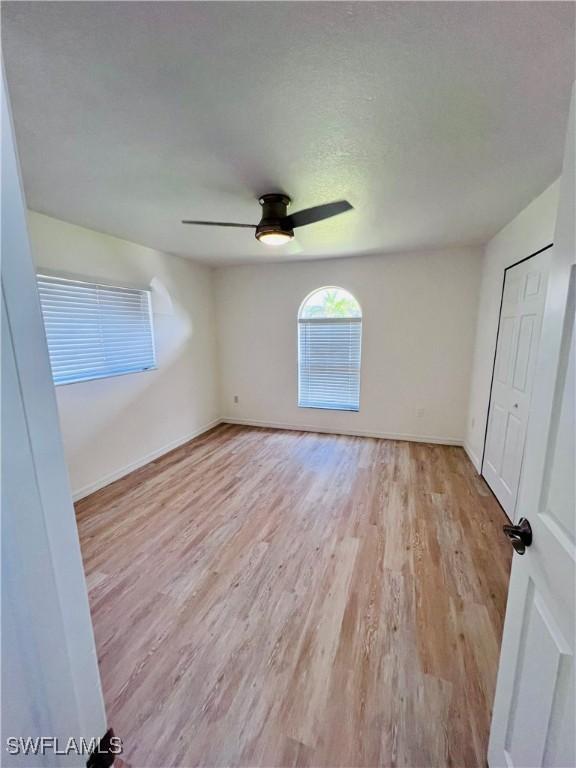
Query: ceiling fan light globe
x=274, y=238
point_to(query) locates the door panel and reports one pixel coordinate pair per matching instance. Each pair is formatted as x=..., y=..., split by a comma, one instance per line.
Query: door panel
x=518, y=335
x=560, y=744
x=560, y=491
x=533, y=280
x=496, y=435
x=511, y=453
x=541, y=651
x=525, y=339
x=503, y=360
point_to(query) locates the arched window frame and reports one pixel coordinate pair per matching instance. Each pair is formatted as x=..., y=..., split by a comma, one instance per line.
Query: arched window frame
x=329, y=357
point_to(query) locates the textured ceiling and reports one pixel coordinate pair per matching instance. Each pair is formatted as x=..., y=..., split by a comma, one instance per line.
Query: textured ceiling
x=438, y=121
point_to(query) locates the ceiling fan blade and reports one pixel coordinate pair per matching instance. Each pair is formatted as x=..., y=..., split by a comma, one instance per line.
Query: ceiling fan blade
x=219, y=224
x=318, y=213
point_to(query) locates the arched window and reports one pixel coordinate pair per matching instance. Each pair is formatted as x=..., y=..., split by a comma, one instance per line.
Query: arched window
x=329, y=342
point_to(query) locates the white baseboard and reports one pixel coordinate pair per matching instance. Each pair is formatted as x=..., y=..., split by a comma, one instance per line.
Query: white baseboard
x=476, y=463
x=80, y=493
x=351, y=432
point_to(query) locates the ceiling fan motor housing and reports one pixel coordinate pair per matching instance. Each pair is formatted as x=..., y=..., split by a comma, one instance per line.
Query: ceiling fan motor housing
x=274, y=213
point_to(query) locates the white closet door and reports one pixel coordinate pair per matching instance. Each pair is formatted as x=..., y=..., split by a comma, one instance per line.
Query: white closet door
x=518, y=337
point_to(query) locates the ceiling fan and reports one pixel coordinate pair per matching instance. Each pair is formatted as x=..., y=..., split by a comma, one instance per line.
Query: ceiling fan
x=276, y=227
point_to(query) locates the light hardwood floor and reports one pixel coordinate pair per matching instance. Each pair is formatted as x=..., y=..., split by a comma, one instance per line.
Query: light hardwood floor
x=275, y=598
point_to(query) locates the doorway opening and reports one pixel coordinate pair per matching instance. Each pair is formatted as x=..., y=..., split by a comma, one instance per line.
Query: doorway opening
x=518, y=336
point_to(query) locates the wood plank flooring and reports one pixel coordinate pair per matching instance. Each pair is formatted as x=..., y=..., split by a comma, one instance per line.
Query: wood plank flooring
x=276, y=598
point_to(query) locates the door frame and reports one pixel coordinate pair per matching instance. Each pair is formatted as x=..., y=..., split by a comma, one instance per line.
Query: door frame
x=72, y=705
x=510, y=266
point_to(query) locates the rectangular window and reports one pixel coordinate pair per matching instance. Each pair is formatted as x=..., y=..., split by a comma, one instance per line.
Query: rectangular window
x=95, y=330
x=329, y=363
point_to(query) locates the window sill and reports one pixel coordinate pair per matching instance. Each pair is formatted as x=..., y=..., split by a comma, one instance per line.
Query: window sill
x=329, y=408
x=103, y=376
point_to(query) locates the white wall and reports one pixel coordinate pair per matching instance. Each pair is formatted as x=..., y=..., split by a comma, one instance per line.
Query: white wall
x=111, y=426
x=527, y=233
x=419, y=314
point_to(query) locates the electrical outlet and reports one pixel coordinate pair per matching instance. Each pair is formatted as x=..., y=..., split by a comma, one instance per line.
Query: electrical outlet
x=420, y=412
x=235, y=398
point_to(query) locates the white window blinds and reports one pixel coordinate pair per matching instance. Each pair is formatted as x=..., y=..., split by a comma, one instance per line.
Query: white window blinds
x=329, y=363
x=94, y=330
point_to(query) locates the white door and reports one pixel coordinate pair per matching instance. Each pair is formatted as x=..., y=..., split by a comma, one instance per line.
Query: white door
x=533, y=722
x=50, y=678
x=518, y=337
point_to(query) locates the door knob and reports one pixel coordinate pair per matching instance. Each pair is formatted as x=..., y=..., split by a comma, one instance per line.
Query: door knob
x=520, y=535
